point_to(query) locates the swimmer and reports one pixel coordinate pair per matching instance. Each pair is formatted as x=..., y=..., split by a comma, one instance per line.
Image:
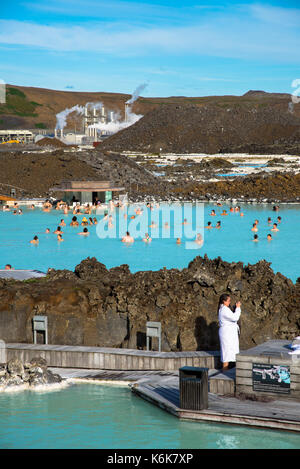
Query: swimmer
x=88, y=209
x=6, y=208
x=60, y=238
x=224, y=213
x=84, y=222
x=95, y=221
x=274, y=227
x=255, y=238
x=212, y=213
x=147, y=238
x=178, y=241
x=15, y=212
x=166, y=225
x=269, y=221
x=47, y=230
x=66, y=209
x=20, y=212
x=269, y=237
x=209, y=226
x=8, y=267
x=127, y=238
x=58, y=230
x=153, y=225
x=199, y=239
x=218, y=225
x=74, y=222
x=16, y=205
x=35, y=240
x=278, y=219
x=276, y=208
x=256, y=222
x=62, y=222
x=254, y=227
x=185, y=222
x=231, y=209
x=32, y=207
x=91, y=221
x=85, y=232
x=241, y=214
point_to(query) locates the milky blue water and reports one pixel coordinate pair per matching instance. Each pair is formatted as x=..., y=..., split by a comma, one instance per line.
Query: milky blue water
x=90, y=416
x=233, y=242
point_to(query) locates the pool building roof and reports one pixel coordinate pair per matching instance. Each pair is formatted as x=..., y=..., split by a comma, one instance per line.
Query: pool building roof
x=86, y=186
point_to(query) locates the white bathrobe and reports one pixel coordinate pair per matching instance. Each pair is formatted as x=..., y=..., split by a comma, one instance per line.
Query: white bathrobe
x=228, y=333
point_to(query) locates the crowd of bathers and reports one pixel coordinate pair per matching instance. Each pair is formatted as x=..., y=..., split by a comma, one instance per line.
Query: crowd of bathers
x=272, y=225
x=88, y=220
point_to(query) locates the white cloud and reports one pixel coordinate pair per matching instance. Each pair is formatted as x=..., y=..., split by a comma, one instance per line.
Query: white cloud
x=232, y=36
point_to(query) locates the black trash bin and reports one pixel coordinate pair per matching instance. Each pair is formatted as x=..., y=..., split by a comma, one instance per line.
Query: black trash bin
x=193, y=387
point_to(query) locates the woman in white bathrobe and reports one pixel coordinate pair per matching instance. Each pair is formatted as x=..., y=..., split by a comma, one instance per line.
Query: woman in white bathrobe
x=229, y=330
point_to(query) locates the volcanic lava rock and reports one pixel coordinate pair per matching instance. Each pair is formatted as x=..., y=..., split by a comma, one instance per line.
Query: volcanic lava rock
x=111, y=307
x=34, y=373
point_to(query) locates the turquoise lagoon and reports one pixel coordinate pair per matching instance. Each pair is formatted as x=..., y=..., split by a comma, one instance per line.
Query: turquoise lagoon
x=87, y=416
x=233, y=242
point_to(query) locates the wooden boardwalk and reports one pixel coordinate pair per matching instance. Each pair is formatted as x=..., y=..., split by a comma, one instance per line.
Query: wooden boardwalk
x=276, y=414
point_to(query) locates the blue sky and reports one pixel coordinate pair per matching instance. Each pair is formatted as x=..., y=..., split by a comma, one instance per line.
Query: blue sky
x=189, y=48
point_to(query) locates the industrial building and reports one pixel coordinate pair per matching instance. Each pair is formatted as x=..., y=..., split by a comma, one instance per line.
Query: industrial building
x=93, y=116
x=16, y=136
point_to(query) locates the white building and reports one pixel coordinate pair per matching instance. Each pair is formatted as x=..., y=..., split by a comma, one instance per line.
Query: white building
x=22, y=136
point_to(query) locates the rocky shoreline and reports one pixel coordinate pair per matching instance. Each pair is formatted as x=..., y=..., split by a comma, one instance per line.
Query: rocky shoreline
x=94, y=306
x=18, y=376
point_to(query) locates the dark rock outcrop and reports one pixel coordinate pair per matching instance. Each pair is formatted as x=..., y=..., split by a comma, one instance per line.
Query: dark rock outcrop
x=210, y=128
x=99, y=307
x=32, y=374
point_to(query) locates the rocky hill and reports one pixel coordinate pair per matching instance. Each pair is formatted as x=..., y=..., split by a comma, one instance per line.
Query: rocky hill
x=34, y=173
x=212, y=128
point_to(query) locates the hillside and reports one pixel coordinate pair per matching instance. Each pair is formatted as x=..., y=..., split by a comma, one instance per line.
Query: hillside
x=213, y=128
x=29, y=107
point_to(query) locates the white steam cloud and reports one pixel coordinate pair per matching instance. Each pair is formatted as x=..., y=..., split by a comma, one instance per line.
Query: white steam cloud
x=61, y=117
x=108, y=127
x=136, y=93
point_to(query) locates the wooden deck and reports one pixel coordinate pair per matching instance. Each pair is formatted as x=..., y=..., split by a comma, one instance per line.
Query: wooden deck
x=277, y=414
x=106, y=358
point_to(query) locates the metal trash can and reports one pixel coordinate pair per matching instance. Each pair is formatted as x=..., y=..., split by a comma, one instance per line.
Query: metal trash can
x=193, y=388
